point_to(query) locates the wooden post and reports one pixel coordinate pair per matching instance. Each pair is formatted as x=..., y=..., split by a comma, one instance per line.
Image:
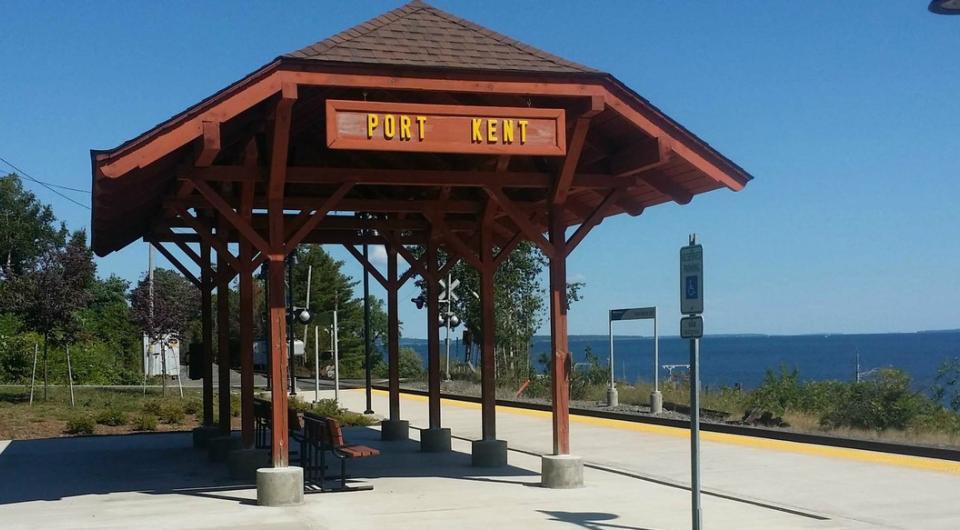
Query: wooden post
x=278, y=361
x=433, y=334
x=206, y=322
x=223, y=332
x=560, y=368
x=488, y=374
x=246, y=326
x=393, y=333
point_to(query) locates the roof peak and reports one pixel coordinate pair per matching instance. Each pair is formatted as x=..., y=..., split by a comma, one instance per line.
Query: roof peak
x=419, y=34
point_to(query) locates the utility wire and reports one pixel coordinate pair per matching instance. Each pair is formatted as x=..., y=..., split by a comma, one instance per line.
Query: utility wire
x=48, y=185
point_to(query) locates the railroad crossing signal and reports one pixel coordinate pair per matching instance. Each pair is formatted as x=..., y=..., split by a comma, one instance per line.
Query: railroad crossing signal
x=449, y=294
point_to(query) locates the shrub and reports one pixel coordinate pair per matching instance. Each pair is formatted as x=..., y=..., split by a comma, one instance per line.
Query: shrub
x=411, y=366
x=778, y=392
x=145, y=422
x=172, y=412
x=235, y=405
x=152, y=406
x=192, y=406
x=111, y=416
x=880, y=403
x=80, y=424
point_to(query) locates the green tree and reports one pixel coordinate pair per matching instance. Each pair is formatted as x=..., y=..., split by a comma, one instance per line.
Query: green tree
x=28, y=228
x=330, y=288
x=519, y=305
x=49, y=295
x=174, y=304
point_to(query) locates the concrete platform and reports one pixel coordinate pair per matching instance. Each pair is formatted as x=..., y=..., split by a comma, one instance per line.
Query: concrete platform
x=634, y=478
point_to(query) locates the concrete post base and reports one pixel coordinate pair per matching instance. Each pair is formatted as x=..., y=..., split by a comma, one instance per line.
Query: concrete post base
x=219, y=447
x=202, y=434
x=561, y=471
x=394, y=430
x=435, y=440
x=280, y=486
x=489, y=453
x=244, y=463
x=613, y=397
x=656, y=402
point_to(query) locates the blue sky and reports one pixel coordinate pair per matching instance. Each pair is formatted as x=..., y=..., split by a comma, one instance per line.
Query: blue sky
x=847, y=114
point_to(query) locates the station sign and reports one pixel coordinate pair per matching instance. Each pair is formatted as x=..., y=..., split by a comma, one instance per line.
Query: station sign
x=636, y=313
x=691, y=327
x=427, y=128
x=691, y=280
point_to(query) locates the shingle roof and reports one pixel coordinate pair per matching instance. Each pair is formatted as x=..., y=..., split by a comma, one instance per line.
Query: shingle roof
x=418, y=34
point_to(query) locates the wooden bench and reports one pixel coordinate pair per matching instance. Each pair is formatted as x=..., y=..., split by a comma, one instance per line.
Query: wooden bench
x=262, y=415
x=320, y=435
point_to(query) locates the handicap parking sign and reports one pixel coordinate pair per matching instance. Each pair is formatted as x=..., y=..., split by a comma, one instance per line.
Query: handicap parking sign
x=692, y=287
x=691, y=280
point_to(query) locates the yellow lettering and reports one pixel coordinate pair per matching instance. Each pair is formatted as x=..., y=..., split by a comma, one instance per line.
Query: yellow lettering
x=372, y=122
x=422, y=126
x=491, y=131
x=507, y=131
x=389, y=126
x=405, y=127
x=477, y=136
x=523, y=130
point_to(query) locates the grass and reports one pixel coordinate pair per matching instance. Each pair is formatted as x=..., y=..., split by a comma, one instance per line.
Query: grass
x=97, y=411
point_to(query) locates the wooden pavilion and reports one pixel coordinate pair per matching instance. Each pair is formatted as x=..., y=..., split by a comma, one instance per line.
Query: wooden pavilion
x=453, y=138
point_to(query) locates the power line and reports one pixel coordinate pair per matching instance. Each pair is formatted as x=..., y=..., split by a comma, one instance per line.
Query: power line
x=50, y=186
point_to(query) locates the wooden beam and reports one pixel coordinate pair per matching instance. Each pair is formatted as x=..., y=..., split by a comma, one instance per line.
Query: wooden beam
x=666, y=186
x=176, y=263
x=593, y=220
x=639, y=157
x=392, y=177
x=206, y=331
x=210, y=144
x=560, y=364
x=223, y=330
x=206, y=234
x=368, y=266
x=505, y=251
x=245, y=321
x=452, y=241
x=239, y=223
x=276, y=183
x=574, y=148
x=520, y=219
x=407, y=274
x=182, y=245
x=415, y=264
x=317, y=216
x=303, y=202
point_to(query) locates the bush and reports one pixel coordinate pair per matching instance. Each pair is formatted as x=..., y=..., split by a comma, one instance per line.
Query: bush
x=111, y=416
x=145, y=422
x=883, y=402
x=235, y=405
x=153, y=407
x=172, y=412
x=192, y=406
x=80, y=424
x=411, y=366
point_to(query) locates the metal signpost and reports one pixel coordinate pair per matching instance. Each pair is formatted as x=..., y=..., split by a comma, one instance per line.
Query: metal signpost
x=691, y=327
x=637, y=313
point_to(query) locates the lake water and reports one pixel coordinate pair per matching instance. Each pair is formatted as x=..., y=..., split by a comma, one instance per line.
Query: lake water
x=728, y=360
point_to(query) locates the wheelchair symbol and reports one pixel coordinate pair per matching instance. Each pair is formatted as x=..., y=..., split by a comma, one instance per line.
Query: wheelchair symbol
x=692, y=288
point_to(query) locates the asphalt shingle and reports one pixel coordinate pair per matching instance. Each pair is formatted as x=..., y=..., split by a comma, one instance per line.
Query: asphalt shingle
x=419, y=34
